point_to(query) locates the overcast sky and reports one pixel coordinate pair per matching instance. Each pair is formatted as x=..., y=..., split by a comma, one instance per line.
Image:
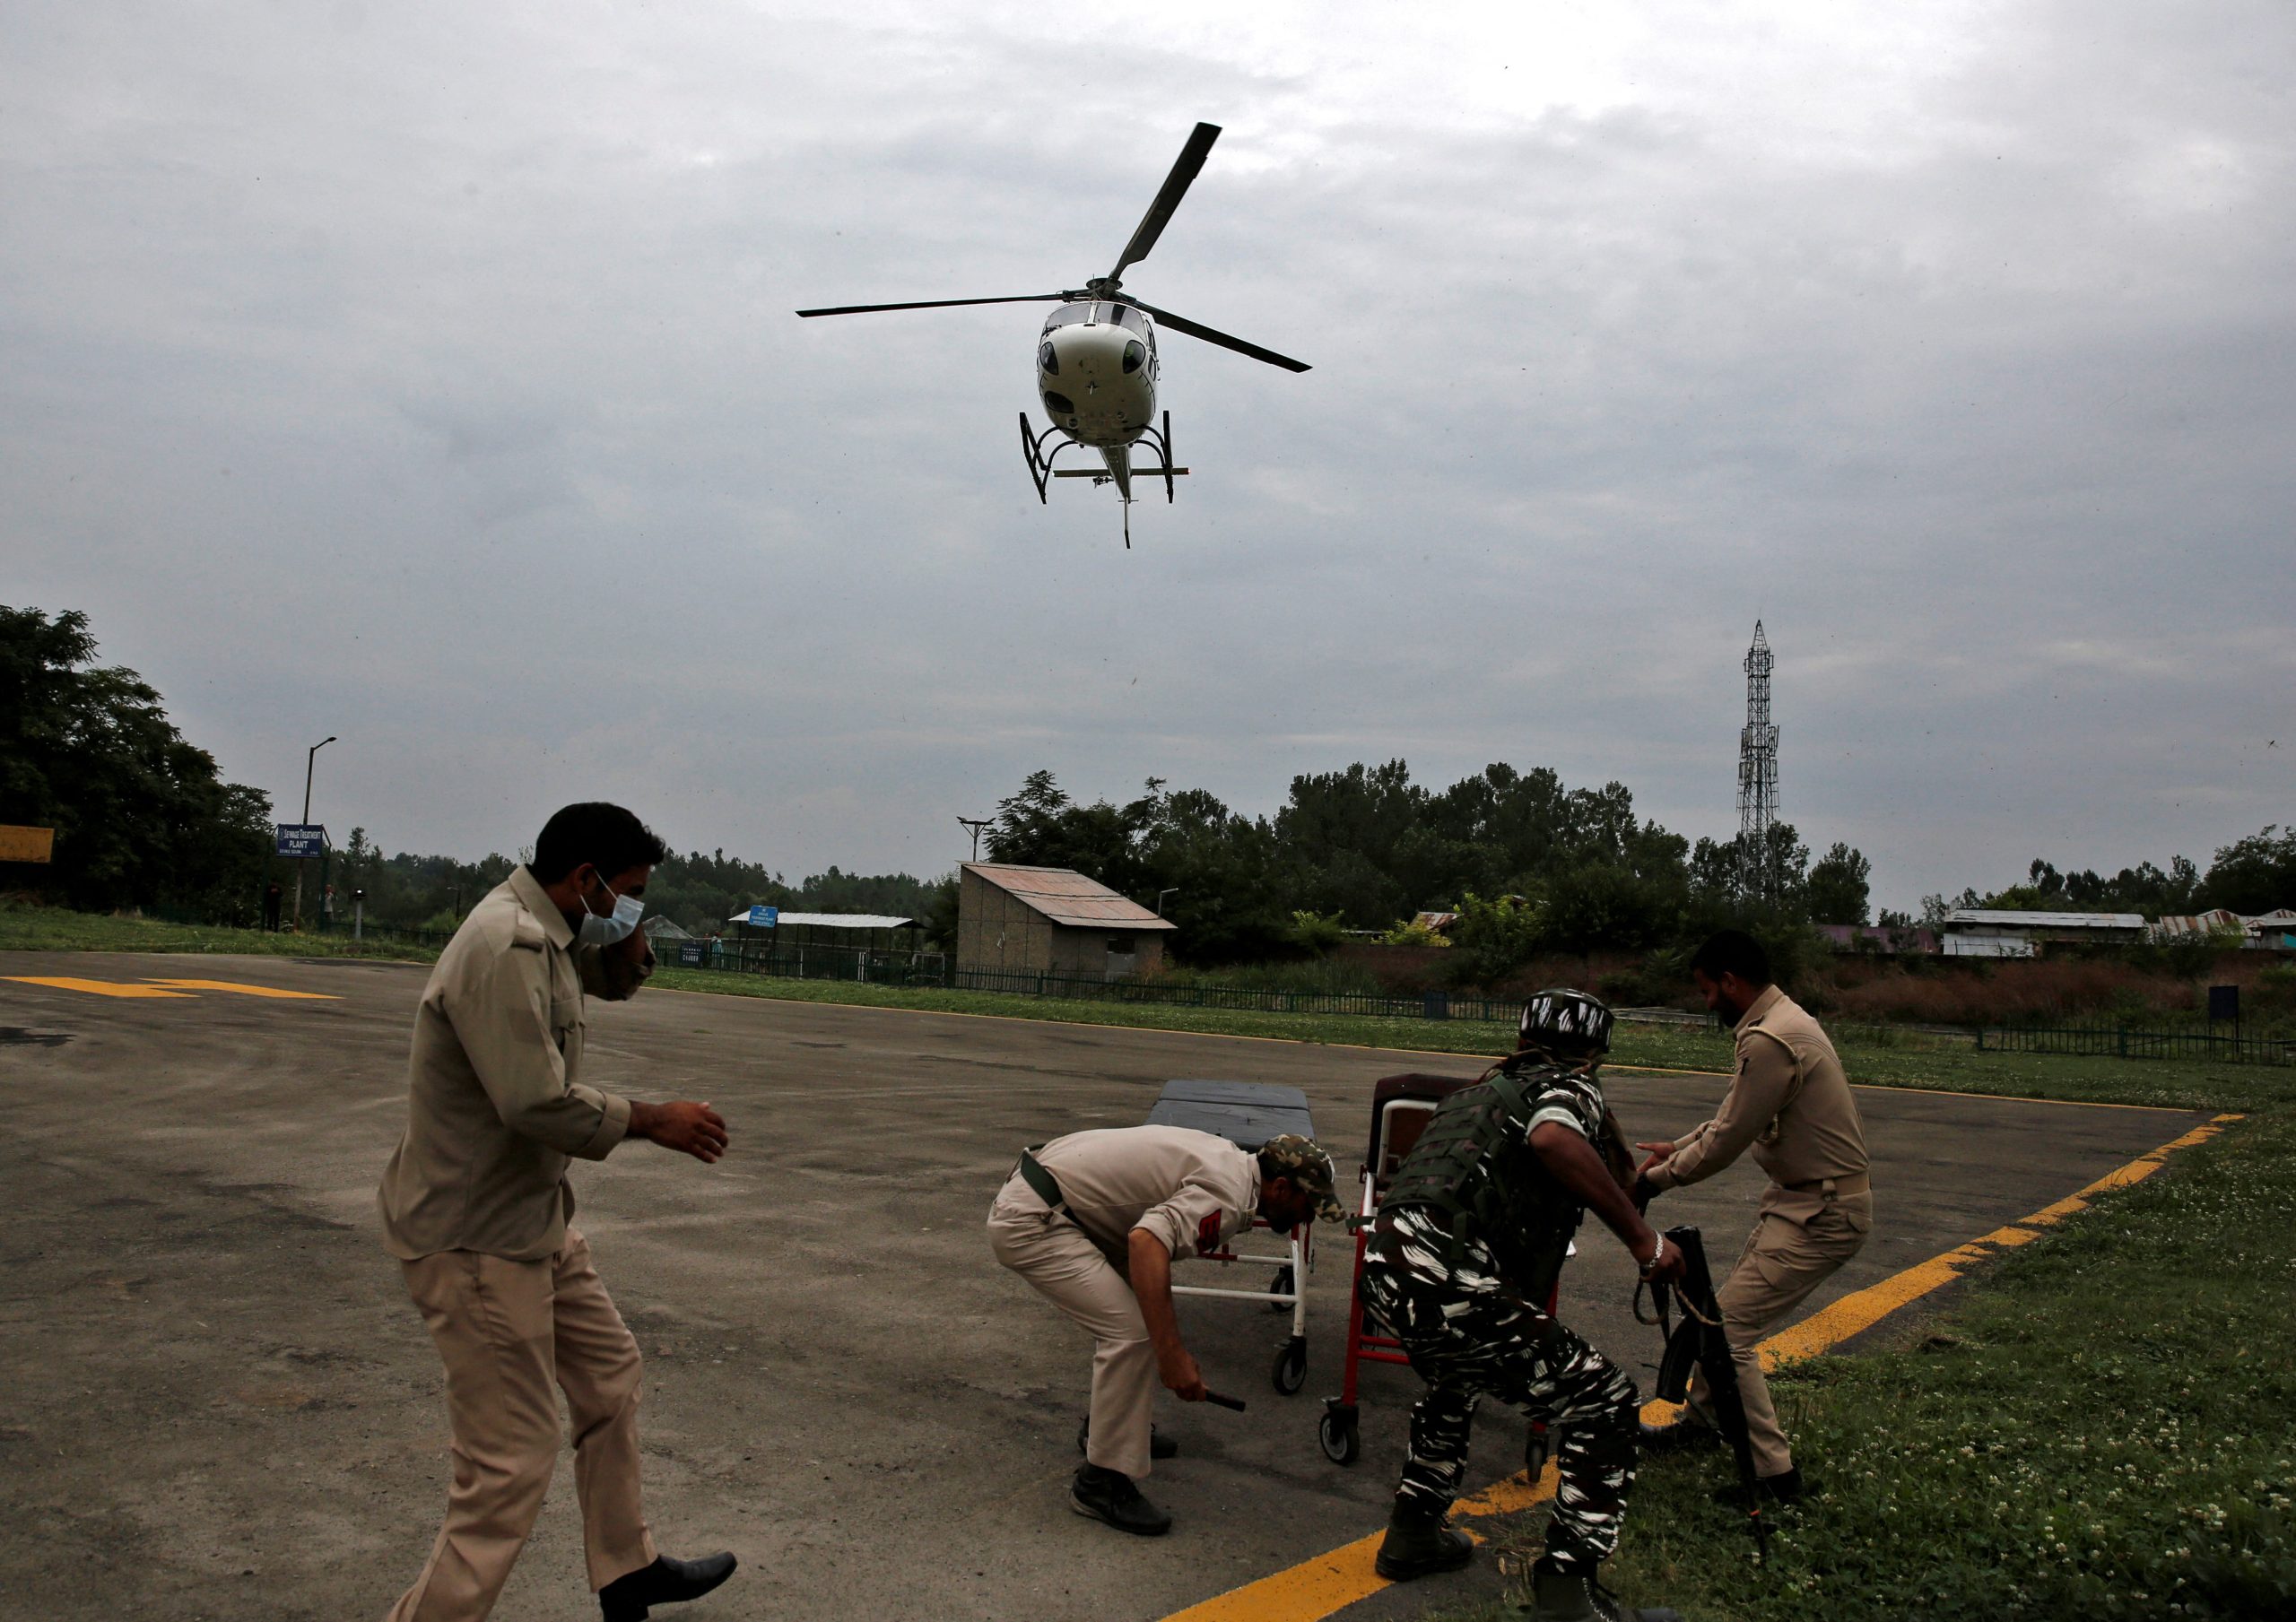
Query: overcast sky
x=426, y=375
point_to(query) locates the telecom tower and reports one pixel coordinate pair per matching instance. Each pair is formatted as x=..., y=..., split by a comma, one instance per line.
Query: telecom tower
x=1757, y=773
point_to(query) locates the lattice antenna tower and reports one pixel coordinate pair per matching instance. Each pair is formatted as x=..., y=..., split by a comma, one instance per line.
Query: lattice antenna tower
x=1757, y=772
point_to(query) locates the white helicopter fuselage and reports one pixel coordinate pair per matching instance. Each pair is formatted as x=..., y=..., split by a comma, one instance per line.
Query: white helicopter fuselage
x=1096, y=372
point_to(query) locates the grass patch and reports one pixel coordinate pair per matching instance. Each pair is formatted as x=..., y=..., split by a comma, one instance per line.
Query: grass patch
x=2105, y=1426
x=49, y=929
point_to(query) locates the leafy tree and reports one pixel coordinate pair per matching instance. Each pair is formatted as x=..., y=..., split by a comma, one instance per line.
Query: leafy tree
x=141, y=817
x=2255, y=874
x=1497, y=936
x=1838, y=891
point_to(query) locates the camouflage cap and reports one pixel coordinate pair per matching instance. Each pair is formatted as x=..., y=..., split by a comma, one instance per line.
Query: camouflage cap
x=1308, y=1166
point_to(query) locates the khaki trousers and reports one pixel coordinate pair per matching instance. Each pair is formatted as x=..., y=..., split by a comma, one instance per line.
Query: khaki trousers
x=1053, y=1255
x=507, y=1331
x=1784, y=1259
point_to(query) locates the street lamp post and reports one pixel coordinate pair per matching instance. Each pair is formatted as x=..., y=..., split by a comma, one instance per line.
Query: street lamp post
x=1172, y=890
x=310, y=761
x=975, y=824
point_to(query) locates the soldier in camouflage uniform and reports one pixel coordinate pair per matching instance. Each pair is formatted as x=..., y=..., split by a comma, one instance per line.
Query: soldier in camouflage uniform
x=1466, y=1247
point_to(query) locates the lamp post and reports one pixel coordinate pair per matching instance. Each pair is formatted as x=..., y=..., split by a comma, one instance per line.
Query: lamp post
x=1170, y=890
x=310, y=761
x=975, y=824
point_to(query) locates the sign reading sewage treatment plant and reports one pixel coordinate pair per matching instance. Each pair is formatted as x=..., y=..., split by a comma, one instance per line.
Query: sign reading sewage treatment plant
x=302, y=839
x=764, y=917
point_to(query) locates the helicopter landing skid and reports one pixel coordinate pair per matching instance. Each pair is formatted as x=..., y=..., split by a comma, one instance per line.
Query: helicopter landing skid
x=1041, y=472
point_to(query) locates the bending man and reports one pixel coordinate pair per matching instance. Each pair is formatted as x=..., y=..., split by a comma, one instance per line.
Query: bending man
x=1094, y=1222
x=1789, y=1102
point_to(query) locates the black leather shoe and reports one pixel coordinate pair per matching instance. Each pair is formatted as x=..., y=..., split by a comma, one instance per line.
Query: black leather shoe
x=667, y=1581
x=1787, y=1489
x=1680, y=1436
x=1418, y=1546
x=1110, y=1495
x=1559, y=1596
x=1160, y=1445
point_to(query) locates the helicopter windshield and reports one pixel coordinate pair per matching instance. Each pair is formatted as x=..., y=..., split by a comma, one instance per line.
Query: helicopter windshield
x=1068, y=314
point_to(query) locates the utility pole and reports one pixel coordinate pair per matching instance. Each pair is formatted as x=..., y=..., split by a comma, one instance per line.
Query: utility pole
x=975, y=824
x=1757, y=775
x=310, y=761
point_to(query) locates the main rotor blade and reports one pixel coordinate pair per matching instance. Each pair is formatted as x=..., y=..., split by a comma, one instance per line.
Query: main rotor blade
x=1197, y=329
x=1176, y=185
x=863, y=310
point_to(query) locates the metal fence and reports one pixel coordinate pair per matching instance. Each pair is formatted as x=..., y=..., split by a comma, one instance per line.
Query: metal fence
x=1425, y=1005
x=2119, y=1042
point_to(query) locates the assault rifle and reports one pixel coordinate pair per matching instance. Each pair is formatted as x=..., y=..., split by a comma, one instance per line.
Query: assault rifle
x=1698, y=1340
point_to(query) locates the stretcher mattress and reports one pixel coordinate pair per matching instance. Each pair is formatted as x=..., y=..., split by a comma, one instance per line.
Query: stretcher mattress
x=1247, y=1114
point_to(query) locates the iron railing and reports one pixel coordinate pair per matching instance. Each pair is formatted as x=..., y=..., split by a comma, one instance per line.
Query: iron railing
x=2120, y=1042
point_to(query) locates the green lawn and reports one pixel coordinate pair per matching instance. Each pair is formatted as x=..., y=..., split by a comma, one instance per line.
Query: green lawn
x=47, y=929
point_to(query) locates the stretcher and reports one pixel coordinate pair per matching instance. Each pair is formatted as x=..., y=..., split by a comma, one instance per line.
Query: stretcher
x=1247, y=1114
x=1400, y=1107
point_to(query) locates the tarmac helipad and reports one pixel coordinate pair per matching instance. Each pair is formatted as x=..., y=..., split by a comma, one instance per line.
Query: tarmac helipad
x=216, y=1401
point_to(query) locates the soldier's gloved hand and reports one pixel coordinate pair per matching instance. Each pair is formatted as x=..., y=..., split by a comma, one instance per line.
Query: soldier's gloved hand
x=1180, y=1377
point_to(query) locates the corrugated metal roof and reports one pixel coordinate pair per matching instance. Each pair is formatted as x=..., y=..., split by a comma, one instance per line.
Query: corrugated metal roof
x=1981, y=917
x=833, y=920
x=1067, y=897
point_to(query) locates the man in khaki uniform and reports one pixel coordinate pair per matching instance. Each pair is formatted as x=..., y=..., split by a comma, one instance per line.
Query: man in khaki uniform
x=475, y=1206
x=1094, y=1222
x=1791, y=1105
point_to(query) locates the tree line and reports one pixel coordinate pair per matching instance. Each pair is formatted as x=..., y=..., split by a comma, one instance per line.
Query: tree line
x=145, y=818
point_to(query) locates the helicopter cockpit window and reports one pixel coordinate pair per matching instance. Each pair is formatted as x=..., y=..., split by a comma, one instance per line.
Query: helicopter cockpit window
x=1068, y=314
x=1135, y=355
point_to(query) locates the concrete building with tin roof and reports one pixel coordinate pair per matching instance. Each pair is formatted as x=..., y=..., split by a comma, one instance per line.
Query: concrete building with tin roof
x=1051, y=920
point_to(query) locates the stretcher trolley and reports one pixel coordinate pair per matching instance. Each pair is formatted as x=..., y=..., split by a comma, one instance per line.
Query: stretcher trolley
x=1247, y=1114
x=1400, y=1107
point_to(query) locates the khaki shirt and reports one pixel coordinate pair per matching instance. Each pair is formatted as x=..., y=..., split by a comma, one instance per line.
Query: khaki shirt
x=1192, y=1190
x=1790, y=1102
x=495, y=1104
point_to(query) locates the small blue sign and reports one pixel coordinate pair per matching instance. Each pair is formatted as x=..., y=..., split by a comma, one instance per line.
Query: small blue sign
x=302, y=839
x=764, y=917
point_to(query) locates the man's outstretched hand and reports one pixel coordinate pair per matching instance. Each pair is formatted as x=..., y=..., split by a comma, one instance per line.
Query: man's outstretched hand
x=690, y=1129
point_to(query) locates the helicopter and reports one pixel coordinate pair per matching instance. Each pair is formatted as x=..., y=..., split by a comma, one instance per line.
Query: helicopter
x=1096, y=358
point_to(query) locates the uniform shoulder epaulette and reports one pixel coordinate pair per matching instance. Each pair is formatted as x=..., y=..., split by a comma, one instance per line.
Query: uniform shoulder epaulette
x=526, y=931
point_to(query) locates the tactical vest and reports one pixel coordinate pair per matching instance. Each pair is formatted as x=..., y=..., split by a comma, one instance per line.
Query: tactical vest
x=1474, y=1169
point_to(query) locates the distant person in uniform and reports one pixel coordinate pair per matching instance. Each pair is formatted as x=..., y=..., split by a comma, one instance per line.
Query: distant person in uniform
x=1791, y=1105
x=1460, y=1264
x=272, y=900
x=1095, y=1220
x=475, y=1206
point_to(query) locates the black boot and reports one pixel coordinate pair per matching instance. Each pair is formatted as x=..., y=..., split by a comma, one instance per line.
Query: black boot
x=1419, y=1545
x=1160, y=1445
x=1784, y=1491
x=667, y=1581
x=1110, y=1495
x=1681, y=1436
x=1572, y=1595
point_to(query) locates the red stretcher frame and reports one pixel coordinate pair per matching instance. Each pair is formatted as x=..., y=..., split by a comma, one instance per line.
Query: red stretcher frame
x=1400, y=1106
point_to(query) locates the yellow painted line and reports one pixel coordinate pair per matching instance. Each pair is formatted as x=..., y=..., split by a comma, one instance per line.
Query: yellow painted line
x=1318, y=1588
x=238, y=989
x=94, y=988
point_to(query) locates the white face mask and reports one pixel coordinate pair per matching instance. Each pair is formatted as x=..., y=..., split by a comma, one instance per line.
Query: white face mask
x=605, y=929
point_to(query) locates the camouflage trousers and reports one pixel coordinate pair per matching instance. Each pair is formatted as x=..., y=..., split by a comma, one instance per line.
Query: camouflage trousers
x=1469, y=1344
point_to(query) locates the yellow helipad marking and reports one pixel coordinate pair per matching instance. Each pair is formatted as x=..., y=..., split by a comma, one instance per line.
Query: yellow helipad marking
x=238, y=989
x=94, y=988
x=1328, y=1584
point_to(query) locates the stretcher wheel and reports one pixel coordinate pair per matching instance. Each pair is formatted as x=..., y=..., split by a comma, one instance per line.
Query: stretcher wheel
x=1280, y=1285
x=1540, y=1447
x=1291, y=1370
x=1338, y=1433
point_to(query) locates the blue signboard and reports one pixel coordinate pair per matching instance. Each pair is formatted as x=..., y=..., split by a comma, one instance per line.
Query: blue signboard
x=302, y=839
x=764, y=917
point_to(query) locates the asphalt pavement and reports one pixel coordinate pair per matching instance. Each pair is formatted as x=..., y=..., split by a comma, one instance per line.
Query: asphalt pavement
x=216, y=1401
